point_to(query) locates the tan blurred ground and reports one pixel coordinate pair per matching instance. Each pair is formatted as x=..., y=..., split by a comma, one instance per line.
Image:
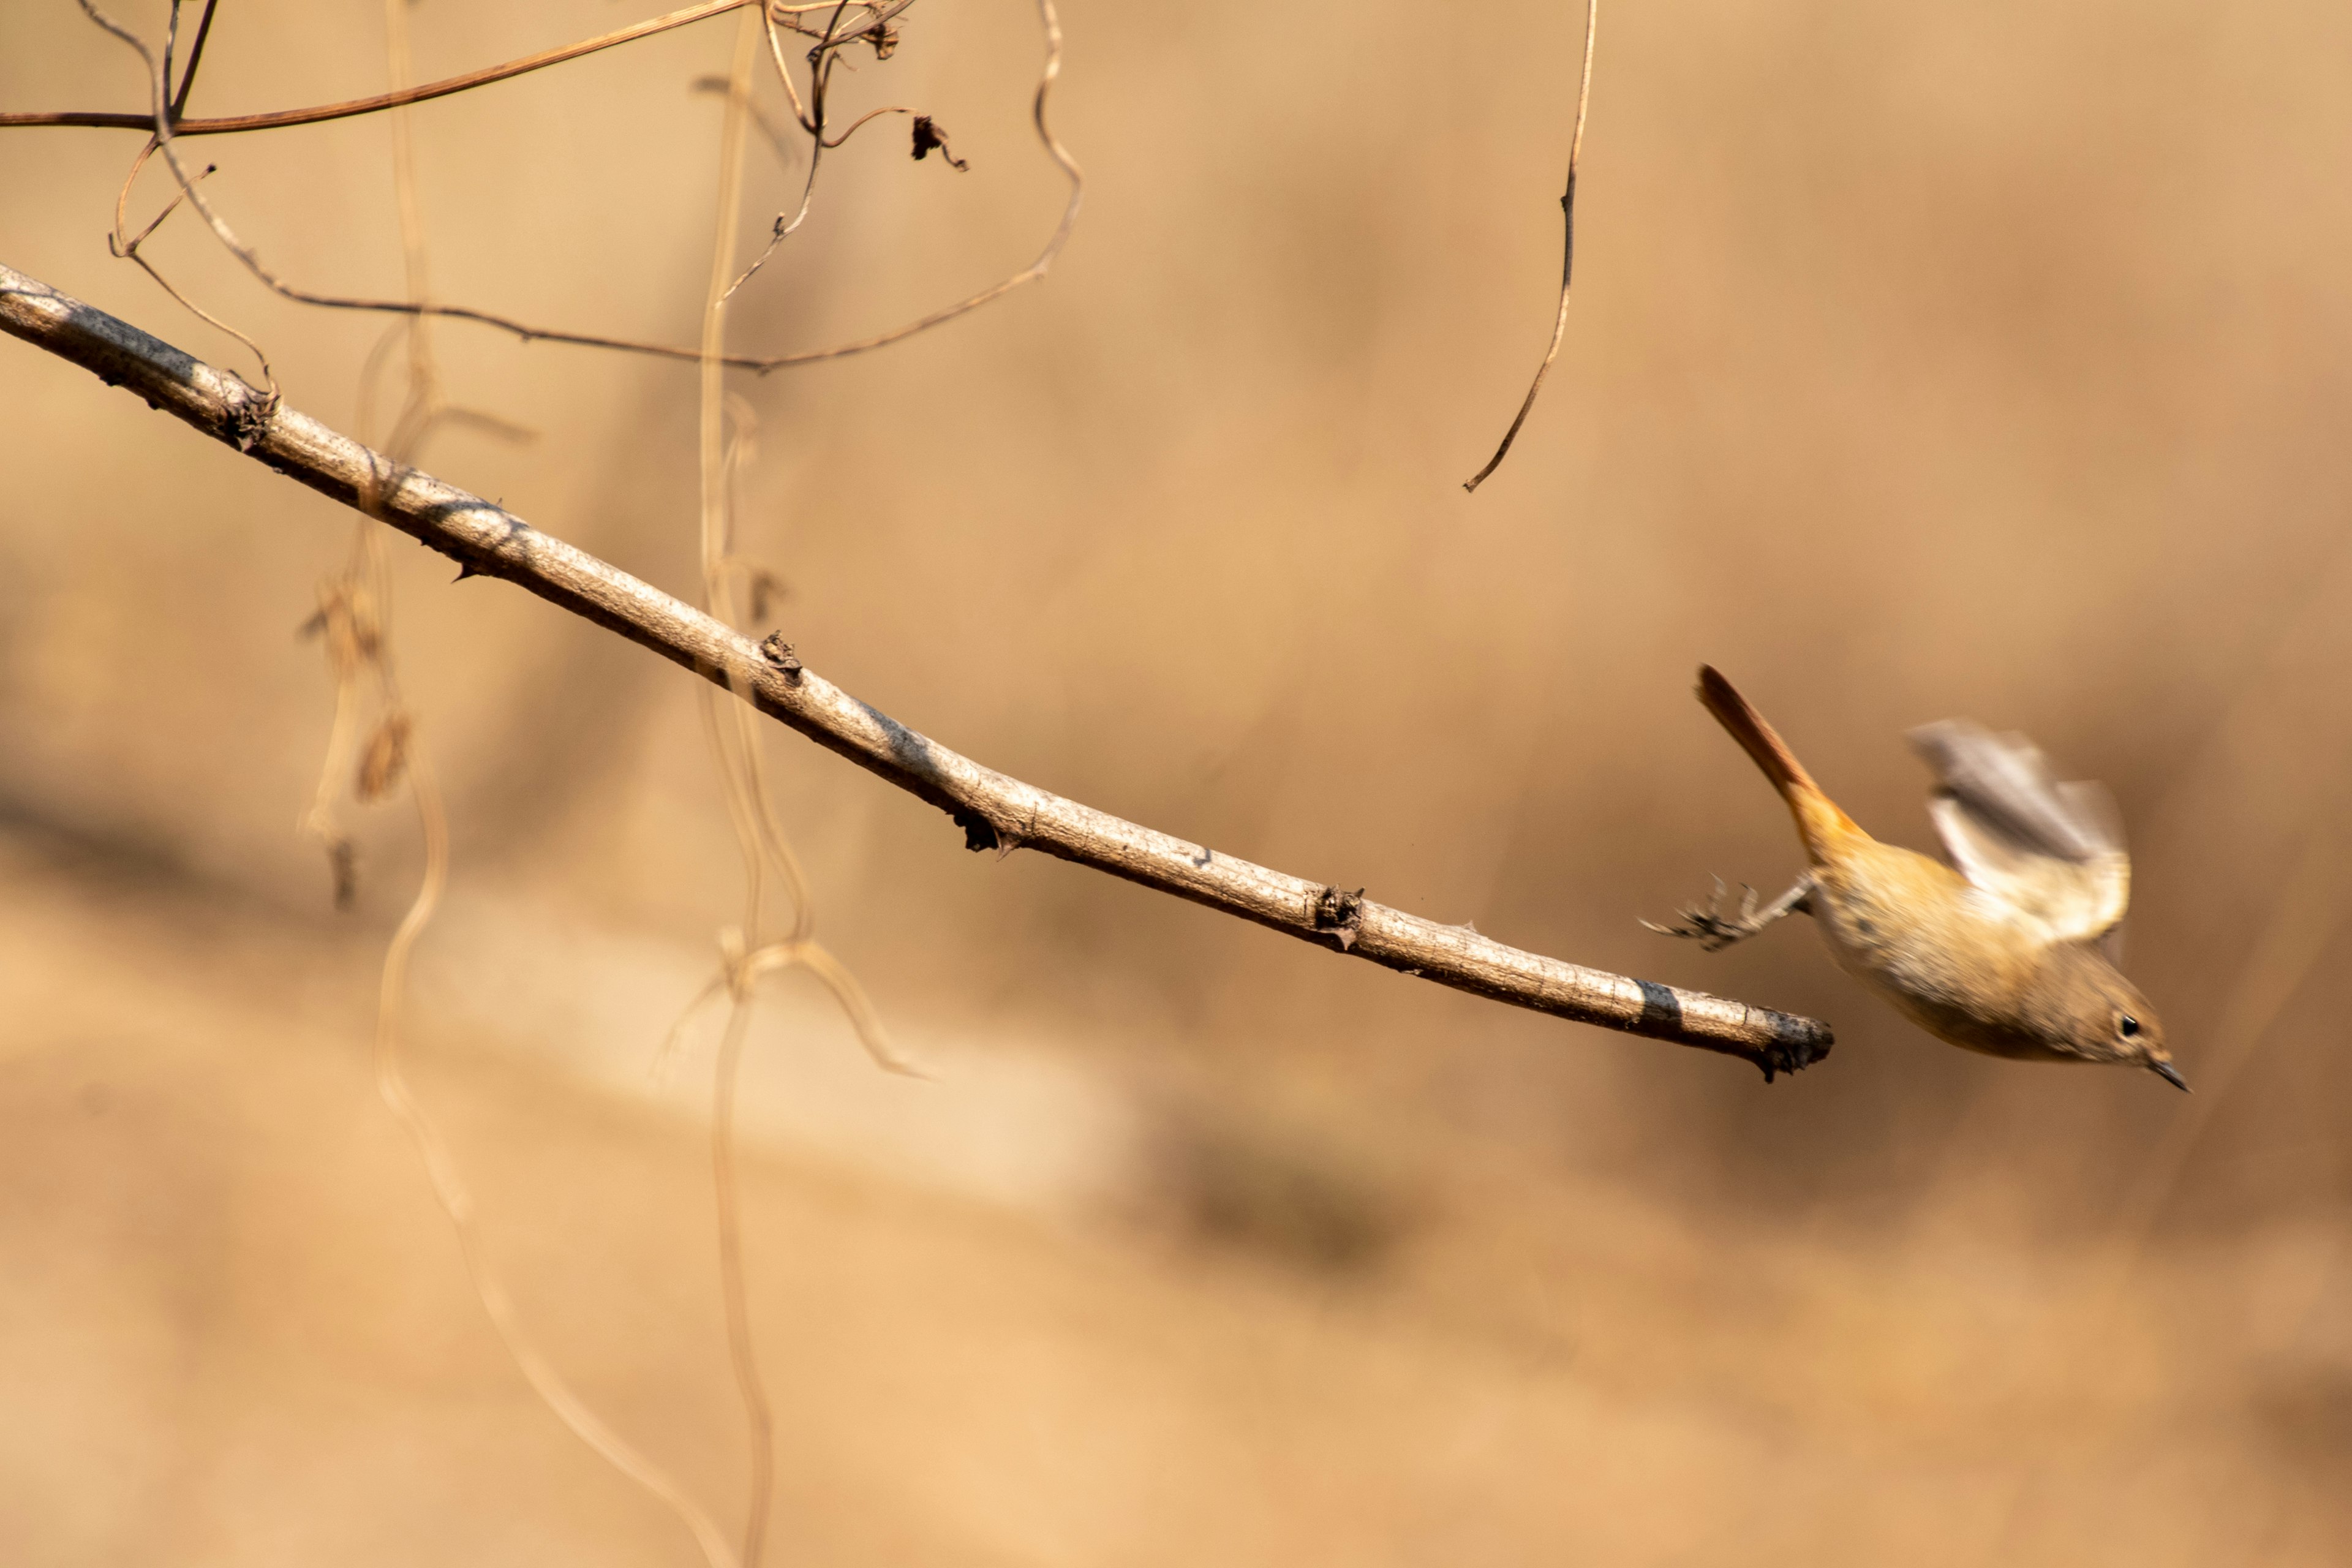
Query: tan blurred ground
x=1989, y=361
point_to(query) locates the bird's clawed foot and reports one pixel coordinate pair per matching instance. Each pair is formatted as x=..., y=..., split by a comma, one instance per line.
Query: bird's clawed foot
x=1715, y=929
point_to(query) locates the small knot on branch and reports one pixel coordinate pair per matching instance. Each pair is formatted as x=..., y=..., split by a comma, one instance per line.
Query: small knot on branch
x=979, y=833
x=249, y=414
x=1341, y=914
x=778, y=652
x=1797, y=1044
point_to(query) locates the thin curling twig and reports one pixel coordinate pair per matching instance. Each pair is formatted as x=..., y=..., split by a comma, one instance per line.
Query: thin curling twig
x=165, y=133
x=1052, y=23
x=227, y=125
x=1566, y=255
x=821, y=61
x=994, y=811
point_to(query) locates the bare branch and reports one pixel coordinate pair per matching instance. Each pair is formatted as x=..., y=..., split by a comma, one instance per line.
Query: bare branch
x=995, y=812
x=1566, y=255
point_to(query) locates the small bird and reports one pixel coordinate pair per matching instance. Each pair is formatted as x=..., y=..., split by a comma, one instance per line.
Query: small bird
x=2012, y=955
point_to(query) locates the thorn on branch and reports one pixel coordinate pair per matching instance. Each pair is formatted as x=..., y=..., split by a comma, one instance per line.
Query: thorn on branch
x=779, y=652
x=979, y=833
x=1341, y=914
x=929, y=138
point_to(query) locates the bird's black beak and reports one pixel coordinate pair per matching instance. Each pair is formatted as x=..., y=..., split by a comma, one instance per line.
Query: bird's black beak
x=2169, y=1074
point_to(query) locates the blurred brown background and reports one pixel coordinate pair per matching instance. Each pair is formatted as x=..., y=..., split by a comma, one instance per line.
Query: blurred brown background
x=1924, y=361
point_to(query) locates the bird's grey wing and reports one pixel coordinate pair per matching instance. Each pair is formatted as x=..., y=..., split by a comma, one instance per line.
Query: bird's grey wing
x=2053, y=851
x=2005, y=780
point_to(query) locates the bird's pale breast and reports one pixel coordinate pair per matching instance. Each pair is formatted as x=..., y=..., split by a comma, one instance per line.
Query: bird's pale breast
x=1957, y=962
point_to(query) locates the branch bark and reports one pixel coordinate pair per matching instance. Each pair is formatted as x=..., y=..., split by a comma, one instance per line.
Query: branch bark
x=995, y=812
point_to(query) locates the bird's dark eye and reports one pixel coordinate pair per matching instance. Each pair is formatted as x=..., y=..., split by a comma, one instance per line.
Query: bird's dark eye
x=2127, y=1026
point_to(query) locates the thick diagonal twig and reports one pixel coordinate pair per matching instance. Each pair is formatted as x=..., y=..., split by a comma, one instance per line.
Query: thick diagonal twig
x=995, y=812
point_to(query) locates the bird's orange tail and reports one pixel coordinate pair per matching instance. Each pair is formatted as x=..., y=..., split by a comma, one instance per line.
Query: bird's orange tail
x=1819, y=820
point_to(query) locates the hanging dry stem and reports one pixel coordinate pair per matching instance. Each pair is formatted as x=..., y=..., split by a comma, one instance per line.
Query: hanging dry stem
x=1567, y=254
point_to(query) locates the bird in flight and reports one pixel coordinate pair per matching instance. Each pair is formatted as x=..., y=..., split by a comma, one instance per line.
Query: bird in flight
x=2012, y=949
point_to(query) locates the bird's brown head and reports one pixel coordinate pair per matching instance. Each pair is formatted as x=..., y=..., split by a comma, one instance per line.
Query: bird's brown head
x=2093, y=1013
